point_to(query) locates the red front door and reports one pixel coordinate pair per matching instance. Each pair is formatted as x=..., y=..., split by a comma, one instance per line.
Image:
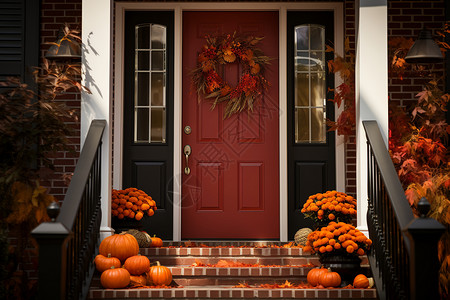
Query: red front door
x=232, y=191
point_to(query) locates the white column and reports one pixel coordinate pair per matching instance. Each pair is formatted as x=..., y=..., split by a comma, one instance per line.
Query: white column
x=371, y=88
x=96, y=67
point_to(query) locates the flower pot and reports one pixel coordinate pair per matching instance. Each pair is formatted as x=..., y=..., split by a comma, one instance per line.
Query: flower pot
x=347, y=266
x=125, y=224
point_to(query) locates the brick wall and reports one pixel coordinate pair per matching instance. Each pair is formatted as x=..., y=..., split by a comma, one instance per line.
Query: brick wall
x=406, y=18
x=350, y=146
x=54, y=14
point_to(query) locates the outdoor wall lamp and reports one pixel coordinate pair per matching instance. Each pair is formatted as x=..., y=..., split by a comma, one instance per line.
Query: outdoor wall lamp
x=64, y=48
x=425, y=50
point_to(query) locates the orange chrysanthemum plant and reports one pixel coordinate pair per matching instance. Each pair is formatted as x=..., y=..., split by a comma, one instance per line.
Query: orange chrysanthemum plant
x=330, y=206
x=338, y=239
x=132, y=203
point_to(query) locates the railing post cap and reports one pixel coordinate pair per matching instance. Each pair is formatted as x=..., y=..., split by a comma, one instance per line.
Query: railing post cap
x=51, y=230
x=423, y=207
x=53, y=210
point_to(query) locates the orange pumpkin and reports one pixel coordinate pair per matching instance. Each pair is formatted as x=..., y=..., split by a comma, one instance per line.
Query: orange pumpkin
x=139, y=280
x=314, y=275
x=159, y=275
x=115, y=278
x=361, y=282
x=137, y=264
x=103, y=263
x=156, y=242
x=330, y=279
x=121, y=245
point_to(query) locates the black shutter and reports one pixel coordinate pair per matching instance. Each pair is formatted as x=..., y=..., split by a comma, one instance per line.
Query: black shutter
x=19, y=38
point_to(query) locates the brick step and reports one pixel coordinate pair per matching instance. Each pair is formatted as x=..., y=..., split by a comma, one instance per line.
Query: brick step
x=209, y=282
x=209, y=255
x=228, y=292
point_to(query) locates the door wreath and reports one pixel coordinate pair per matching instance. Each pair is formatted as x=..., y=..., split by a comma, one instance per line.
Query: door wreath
x=228, y=49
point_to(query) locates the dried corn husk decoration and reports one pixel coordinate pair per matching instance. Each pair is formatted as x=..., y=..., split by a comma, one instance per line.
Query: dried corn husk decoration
x=301, y=236
x=144, y=240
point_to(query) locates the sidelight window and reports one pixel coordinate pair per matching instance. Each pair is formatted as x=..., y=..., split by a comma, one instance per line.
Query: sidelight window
x=150, y=75
x=310, y=84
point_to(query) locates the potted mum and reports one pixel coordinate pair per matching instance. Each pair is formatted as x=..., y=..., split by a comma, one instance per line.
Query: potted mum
x=339, y=246
x=330, y=206
x=129, y=207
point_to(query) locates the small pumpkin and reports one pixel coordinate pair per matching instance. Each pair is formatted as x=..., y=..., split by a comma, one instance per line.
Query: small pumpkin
x=103, y=263
x=137, y=264
x=330, y=279
x=362, y=282
x=121, y=245
x=159, y=275
x=156, y=241
x=143, y=238
x=115, y=278
x=138, y=279
x=314, y=275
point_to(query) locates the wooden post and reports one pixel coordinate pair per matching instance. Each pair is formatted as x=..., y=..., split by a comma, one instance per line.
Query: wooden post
x=52, y=238
x=424, y=234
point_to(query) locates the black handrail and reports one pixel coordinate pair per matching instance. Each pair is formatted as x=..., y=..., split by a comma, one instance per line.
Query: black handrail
x=404, y=256
x=68, y=244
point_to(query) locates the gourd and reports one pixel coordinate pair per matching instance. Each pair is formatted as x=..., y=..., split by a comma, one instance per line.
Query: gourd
x=314, y=276
x=103, y=263
x=301, y=236
x=137, y=264
x=156, y=241
x=115, y=278
x=121, y=245
x=159, y=275
x=330, y=279
x=143, y=238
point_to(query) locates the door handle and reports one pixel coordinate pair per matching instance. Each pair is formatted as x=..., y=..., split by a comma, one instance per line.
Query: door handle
x=187, y=151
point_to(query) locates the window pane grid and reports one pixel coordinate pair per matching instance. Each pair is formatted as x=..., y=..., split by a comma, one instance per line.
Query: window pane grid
x=150, y=84
x=310, y=85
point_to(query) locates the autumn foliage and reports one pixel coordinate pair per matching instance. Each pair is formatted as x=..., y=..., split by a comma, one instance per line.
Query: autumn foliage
x=344, y=94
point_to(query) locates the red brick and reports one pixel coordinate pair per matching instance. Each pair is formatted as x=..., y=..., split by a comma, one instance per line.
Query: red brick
x=345, y=293
x=276, y=293
x=263, y=294
x=356, y=294
x=132, y=294
x=248, y=294
x=225, y=294
x=234, y=271
x=202, y=293
x=322, y=294
x=214, y=294
x=195, y=251
x=179, y=293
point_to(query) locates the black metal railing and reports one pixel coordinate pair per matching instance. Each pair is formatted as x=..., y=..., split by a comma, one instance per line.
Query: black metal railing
x=404, y=256
x=68, y=244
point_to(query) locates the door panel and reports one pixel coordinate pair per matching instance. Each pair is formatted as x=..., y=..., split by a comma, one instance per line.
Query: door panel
x=311, y=149
x=232, y=191
x=148, y=113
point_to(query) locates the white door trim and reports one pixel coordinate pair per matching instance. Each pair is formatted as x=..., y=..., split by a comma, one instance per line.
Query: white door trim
x=178, y=8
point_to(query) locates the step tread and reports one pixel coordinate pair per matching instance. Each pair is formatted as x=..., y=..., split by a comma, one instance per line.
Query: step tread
x=224, y=292
x=239, y=271
x=222, y=251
